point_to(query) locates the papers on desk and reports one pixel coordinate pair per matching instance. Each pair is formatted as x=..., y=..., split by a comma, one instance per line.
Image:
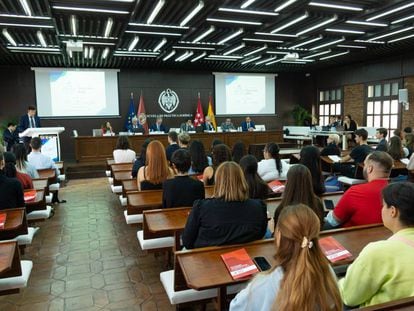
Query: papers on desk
x=333, y=250
x=334, y=158
x=405, y=161
x=239, y=263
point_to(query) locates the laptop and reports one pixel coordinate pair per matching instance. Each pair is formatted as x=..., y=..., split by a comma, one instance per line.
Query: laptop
x=96, y=132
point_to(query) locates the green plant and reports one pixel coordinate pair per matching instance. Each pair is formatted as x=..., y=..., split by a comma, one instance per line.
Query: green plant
x=300, y=114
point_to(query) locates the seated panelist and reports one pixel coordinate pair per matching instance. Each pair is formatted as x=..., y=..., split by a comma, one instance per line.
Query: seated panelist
x=208, y=126
x=187, y=126
x=227, y=125
x=158, y=126
x=135, y=127
x=248, y=125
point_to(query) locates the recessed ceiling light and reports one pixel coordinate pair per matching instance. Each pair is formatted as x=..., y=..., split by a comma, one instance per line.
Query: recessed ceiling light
x=232, y=21
x=334, y=55
x=197, y=9
x=204, y=34
x=336, y=6
x=247, y=3
x=73, y=25
x=105, y=53
x=294, y=21
x=317, y=54
x=256, y=51
x=26, y=7
x=307, y=42
x=41, y=38
x=402, y=19
x=410, y=4
x=248, y=12
x=351, y=46
x=344, y=30
x=26, y=25
x=171, y=54
x=233, y=35
x=155, y=11
x=327, y=44
x=133, y=43
x=239, y=47
x=160, y=44
x=275, y=34
x=402, y=38
x=390, y=34
x=173, y=34
x=199, y=57
x=316, y=26
x=262, y=40
x=366, y=23
x=284, y=5
x=80, y=9
x=108, y=27
x=9, y=38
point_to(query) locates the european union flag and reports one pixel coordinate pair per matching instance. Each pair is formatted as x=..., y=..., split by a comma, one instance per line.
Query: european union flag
x=131, y=114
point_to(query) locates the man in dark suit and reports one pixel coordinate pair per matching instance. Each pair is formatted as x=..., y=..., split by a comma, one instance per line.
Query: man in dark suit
x=187, y=126
x=135, y=127
x=29, y=120
x=208, y=126
x=10, y=136
x=247, y=125
x=381, y=135
x=158, y=126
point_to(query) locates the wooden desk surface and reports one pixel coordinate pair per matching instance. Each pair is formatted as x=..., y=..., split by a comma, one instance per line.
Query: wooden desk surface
x=39, y=183
x=122, y=175
x=121, y=167
x=7, y=250
x=39, y=197
x=47, y=173
x=168, y=219
x=14, y=218
x=203, y=268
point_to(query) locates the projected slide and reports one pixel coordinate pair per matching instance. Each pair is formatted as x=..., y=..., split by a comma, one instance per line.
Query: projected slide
x=76, y=93
x=245, y=94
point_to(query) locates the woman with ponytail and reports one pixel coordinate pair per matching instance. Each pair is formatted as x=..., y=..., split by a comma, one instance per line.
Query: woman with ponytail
x=271, y=167
x=302, y=278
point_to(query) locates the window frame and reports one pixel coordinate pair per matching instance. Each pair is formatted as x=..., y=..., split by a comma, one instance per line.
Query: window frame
x=330, y=102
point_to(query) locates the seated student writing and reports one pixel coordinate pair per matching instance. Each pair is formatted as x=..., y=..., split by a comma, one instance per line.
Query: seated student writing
x=230, y=217
x=302, y=278
x=384, y=270
x=182, y=190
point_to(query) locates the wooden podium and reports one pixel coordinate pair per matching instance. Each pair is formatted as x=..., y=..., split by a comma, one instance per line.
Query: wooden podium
x=50, y=139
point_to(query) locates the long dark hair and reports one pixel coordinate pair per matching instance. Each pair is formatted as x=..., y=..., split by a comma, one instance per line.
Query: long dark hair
x=238, y=151
x=221, y=153
x=258, y=189
x=395, y=148
x=9, y=165
x=298, y=190
x=123, y=143
x=310, y=156
x=273, y=150
x=198, y=156
x=20, y=152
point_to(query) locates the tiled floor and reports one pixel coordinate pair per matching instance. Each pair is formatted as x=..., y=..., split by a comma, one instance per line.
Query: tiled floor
x=87, y=258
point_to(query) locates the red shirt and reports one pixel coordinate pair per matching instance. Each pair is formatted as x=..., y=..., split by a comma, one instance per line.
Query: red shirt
x=25, y=180
x=361, y=204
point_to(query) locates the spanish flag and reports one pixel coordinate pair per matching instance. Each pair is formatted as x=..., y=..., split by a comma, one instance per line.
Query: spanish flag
x=210, y=112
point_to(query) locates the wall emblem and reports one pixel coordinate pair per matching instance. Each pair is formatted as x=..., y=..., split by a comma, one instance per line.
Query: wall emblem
x=168, y=100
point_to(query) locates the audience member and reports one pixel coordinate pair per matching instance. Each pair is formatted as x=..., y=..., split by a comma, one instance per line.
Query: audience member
x=10, y=136
x=396, y=149
x=238, y=151
x=187, y=126
x=183, y=140
x=299, y=177
x=172, y=144
x=248, y=125
x=334, y=122
x=349, y=124
x=22, y=165
x=11, y=172
x=182, y=190
x=332, y=146
x=409, y=143
x=311, y=158
x=140, y=161
x=407, y=130
x=230, y=217
x=381, y=135
x=39, y=160
x=271, y=167
x=227, y=125
x=156, y=169
x=158, y=126
x=199, y=159
x=107, y=129
x=123, y=152
x=302, y=278
x=11, y=191
x=384, y=270
x=221, y=153
x=397, y=132
x=361, y=204
x=258, y=189
x=358, y=153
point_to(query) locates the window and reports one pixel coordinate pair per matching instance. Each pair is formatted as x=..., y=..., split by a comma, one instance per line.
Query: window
x=330, y=104
x=382, y=109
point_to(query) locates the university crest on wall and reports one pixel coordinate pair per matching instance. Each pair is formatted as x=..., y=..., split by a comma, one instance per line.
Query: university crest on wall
x=168, y=100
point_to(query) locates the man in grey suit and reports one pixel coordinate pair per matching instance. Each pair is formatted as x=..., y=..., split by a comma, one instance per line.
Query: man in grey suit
x=227, y=126
x=187, y=126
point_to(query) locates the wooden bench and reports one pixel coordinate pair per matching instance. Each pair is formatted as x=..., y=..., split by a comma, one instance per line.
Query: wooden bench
x=404, y=304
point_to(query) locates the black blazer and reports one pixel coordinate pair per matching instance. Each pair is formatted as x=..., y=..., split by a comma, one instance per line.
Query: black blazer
x=181, y=191
x=382, y=145
x=25, y=123
x=11, y=192
x=163, y=128
x=214, y=222
x=10, y=138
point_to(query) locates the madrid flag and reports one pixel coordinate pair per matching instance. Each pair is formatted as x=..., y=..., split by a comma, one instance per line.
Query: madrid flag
x=199, y=115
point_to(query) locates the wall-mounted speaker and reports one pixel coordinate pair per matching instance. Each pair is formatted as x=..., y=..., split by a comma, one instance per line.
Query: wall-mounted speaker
x=403, y=96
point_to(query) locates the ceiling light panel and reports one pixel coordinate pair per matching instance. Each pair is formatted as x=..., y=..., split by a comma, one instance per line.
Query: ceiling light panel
x=193, y=13
x=317, y=54
x=402, y=19
x=82, y=9
x=25, y=16
x=284, y=5
x=157, y=33
x=233, y=21
x=390, y=33
x=232, y=36
x=334, y=55
x=275, y=34
x=265, y=60
x=327, y=44
x=402, y=38
x=251, y=60
x=41, y=38
x=292, y=22
x=160, y=44
x=366, y=23
x=198, y=57
x=247, y=3
x=316, y=26
x=133, y=43
x=239, y=47
x=108, y=27
x=388, y=12
x=9, y=38
x=155, y=11
x=256, y=51
x=26, y=7
x=240, y=11
x=73, y=25
x=351, y=46
x=262, y=40
x=204, y=34
x=158, y=26
x=335, y=6
x=26, y=25
x=345, y=31
x=307, y=42
x=169, y=55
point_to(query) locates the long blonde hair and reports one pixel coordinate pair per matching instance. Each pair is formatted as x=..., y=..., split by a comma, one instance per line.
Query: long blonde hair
x=230, y=183
x=308, y=283
x=156, y=169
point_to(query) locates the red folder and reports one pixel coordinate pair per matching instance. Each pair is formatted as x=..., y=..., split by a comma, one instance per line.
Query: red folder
x=276, y=186
x=29, y=195
x=239, y=264
x=333, y=250
x=2, y=220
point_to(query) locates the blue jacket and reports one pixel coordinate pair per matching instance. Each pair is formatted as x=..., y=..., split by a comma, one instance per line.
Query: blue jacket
x=244, y=126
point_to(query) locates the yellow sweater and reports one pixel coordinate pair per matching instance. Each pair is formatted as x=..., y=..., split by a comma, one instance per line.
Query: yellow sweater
x=383, y=271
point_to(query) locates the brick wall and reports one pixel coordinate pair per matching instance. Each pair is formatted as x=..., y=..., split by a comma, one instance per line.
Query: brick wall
x=354, y=102
x=408, y=116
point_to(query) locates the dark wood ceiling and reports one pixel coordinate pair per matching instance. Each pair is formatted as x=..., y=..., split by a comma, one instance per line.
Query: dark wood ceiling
x=320, y=35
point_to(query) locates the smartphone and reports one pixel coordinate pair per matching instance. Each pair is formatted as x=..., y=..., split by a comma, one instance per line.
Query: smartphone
x=329, y=204
x=262, y=263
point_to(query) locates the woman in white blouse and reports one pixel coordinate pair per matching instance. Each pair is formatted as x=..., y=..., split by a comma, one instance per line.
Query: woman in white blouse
x=123, y=152
x=271, y=167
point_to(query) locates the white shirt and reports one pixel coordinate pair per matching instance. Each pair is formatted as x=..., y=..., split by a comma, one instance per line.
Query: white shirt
x=124, y=156
x=268, y=172
x=41, y=161
x=260, y=294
